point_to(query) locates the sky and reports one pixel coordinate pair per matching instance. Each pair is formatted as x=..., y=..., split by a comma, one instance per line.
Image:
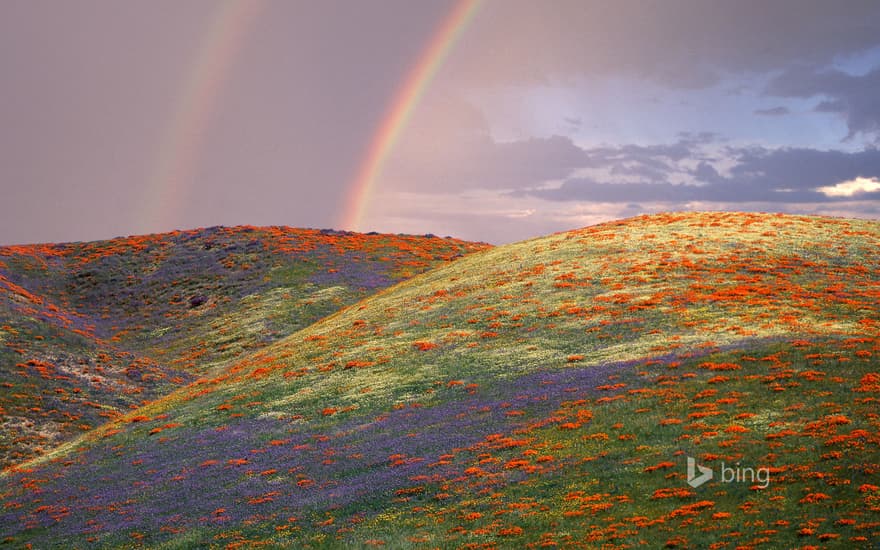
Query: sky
x=488, y=120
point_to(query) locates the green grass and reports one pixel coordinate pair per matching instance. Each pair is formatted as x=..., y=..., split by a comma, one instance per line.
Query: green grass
x=544, y=392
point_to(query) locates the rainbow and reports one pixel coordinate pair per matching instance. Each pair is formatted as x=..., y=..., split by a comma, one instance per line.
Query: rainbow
x=401, y=108
x=183, y=139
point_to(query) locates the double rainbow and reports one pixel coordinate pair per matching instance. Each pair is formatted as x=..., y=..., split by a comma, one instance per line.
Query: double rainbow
x=184, y=137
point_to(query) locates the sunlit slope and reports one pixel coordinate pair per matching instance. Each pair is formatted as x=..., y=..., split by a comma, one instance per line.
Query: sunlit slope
x=541, y=392
x=646, y=287
x=90, y=330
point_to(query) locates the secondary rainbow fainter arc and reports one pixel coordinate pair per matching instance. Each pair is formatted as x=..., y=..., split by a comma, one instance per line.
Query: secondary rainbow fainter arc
x=194, y=109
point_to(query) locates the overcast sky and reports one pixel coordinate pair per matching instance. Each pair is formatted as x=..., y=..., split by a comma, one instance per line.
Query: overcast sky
x=128, y=117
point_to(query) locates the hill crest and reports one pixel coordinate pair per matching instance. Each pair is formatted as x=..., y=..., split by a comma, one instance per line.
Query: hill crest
x=92, y=329
x=542, y=392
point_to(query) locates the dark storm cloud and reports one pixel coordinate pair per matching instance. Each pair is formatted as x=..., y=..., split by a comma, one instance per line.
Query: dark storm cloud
x=802, y=168
x=681, y=43
x=773, y=111
x=855, y=98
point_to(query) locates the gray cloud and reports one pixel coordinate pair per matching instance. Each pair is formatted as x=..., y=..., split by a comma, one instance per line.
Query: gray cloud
x=524, y=162
x=681, y=43
x=773, y=111
x=573, y=122
x=802, y=168
x=853, y=97
x=696, y=167
x=759, y=175
x=93, y=94
x=449, y=147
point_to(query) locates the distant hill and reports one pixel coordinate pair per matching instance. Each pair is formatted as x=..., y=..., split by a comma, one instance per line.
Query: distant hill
x=90, y=330
x=551, y=392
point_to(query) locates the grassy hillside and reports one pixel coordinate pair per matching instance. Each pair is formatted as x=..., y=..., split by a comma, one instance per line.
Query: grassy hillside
x=544, y=393
x=90, y=330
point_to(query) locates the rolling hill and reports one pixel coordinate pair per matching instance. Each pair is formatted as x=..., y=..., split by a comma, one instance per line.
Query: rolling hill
x=551, y=392
x=90, y=330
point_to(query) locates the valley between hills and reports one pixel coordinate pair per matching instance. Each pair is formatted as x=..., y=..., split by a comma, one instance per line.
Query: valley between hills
x=277, y=387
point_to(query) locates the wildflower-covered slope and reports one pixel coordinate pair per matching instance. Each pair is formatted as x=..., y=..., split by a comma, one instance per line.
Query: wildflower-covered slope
x=542, y=393
x=89, y=330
